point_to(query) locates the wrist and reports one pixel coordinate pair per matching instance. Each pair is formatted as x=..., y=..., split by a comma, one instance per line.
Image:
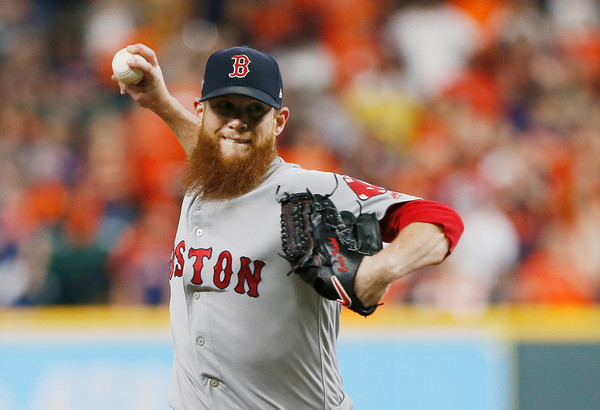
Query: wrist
x=164, y=106
x=372, y=280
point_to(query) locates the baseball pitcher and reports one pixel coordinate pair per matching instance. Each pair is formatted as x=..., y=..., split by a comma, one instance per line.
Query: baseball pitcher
x=266, y=253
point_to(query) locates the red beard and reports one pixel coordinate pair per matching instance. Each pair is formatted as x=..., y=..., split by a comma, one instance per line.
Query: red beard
x=218, y=177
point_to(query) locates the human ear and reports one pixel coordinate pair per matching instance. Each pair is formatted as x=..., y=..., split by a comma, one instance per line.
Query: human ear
x=198, y=107
x=281, y=118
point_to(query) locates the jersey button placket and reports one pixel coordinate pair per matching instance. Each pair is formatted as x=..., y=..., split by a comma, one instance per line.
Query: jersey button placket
x=214, y=382
x=199, y=232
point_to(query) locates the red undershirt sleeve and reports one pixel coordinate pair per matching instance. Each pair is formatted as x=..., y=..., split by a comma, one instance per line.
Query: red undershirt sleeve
x=400, y=215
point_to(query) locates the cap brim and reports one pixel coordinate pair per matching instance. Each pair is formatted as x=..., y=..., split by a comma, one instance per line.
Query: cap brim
x=247, y=91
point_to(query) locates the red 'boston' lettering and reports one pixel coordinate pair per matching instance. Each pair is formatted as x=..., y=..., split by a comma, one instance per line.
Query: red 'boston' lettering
x=177, y=262
x=246, y=275
x=223, y=272
x=199, y=254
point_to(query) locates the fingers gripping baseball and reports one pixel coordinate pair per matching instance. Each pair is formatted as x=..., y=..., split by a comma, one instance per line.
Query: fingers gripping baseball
x=146, y=85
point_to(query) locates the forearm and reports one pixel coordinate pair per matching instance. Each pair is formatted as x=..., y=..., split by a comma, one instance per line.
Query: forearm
x=181, y=121
x=152, y=93
x=418, y=245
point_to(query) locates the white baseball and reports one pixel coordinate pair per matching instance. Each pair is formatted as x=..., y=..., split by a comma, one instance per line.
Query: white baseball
x=124, y=73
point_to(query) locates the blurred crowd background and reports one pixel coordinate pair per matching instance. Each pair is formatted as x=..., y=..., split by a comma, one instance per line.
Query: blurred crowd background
x=490, y=106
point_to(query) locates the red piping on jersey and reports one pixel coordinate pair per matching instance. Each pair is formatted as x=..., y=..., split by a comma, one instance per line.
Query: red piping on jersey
x=400, y=215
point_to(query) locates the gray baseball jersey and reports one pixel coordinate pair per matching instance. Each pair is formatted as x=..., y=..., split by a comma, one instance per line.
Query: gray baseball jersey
x=245, y=334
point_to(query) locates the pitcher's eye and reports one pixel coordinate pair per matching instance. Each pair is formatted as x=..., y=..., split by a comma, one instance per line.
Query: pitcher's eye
x=222, y=107
x=257, y=110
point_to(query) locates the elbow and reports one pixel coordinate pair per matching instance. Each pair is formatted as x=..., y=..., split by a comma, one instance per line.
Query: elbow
x=443, y=250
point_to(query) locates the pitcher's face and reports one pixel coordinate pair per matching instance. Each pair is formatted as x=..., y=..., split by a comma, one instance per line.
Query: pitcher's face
x=239, y=123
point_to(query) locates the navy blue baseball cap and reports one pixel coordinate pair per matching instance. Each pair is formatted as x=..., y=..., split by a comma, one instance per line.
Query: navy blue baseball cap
x=244, y=71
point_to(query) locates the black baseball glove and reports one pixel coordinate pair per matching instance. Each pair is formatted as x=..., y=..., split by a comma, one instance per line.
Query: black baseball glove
x=325, y=247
